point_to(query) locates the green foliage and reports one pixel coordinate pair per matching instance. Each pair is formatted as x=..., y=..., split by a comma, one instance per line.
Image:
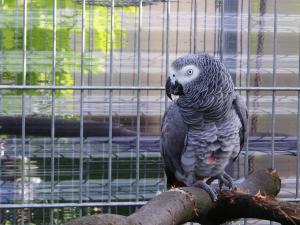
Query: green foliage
x=68, y=41
x=8, y=37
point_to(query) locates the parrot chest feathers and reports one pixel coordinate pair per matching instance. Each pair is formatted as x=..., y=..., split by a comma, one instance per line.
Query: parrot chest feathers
x=209, y=147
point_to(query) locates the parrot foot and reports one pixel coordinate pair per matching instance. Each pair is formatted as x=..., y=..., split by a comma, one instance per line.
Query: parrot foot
x=224, y=179
x=204, y=186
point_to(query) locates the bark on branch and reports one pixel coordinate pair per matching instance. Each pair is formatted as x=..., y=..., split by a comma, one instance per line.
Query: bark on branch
x=253, y=199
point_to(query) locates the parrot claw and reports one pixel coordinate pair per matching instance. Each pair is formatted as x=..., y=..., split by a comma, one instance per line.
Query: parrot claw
x=227, y=181
x=224, y=179
x=211, y=192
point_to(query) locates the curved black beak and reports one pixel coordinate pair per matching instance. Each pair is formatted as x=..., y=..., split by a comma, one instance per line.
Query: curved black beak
x=175, y=89
x=168, y=88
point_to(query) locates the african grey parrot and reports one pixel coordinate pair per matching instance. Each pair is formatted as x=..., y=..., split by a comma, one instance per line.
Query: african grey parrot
x=205, y=127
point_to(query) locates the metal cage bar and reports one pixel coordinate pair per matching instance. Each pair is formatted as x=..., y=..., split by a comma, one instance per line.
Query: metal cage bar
x=274, y=84
x=298, y=124
x=241, y=43
x=168, y=43
x=23, y=103
x=81, y=100
x=112, y=13
x=205, y=25
x=138, y=116
x=247, y=84
x=53, y=109
x=133, y=88
x=195, y=26
x=69, y=205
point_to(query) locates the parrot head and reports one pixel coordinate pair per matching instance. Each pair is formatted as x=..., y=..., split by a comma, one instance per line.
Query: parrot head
x=193, y=77
x=180, y=77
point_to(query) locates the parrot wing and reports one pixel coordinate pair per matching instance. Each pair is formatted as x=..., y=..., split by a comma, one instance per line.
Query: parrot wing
x=172, y=142
x=242, y=112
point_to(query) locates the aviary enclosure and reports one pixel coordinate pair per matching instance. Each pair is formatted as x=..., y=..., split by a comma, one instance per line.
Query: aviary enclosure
x=82, y=96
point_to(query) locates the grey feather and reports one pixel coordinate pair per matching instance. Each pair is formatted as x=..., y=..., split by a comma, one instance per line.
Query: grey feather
x=241, y=110
x=172, y=141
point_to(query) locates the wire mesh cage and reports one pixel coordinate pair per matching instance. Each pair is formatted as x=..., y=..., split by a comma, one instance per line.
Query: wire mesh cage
x=82, y=97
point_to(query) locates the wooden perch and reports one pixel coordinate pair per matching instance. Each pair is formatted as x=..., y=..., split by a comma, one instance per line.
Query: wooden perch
x=253, y=199
x=40, y=126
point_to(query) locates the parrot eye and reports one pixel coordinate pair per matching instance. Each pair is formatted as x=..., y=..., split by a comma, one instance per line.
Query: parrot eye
x=189, y=72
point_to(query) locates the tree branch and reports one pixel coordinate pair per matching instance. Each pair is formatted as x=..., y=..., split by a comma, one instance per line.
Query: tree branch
x=253, y=199
x=258, y=206
x=40, y=126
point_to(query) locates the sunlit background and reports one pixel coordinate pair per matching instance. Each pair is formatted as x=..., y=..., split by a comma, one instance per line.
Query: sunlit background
x=113, y=85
